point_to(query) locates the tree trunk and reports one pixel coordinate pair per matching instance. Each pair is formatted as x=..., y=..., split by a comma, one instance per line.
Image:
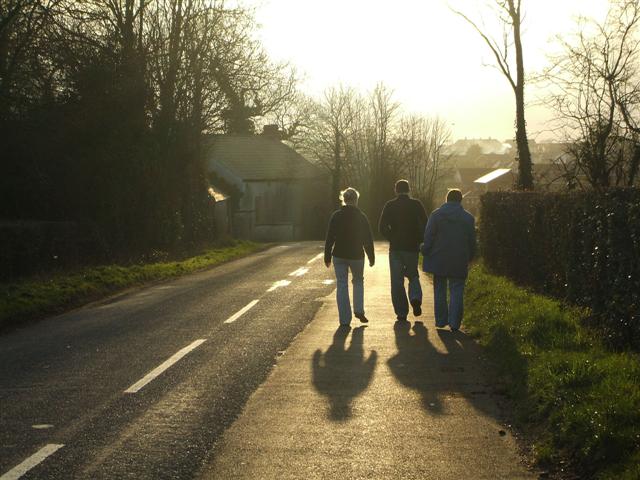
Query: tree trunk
x=525, y=176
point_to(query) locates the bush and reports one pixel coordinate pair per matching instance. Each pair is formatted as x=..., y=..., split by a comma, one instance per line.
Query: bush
x=33, y=247
x=584, y=247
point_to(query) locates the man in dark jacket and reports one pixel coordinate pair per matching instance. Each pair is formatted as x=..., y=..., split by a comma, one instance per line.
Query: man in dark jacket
x=402, y=223
x=348, y=234
x=449, y=245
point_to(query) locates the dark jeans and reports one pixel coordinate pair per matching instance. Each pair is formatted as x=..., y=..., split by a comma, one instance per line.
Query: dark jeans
x=404, y=264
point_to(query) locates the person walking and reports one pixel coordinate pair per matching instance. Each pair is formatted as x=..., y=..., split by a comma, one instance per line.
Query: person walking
x=449, y=245
x=348, y=234
x=402, y=223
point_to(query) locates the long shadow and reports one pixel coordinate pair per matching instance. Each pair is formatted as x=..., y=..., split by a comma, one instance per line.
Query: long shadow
x=342, y=373
x=434, y=374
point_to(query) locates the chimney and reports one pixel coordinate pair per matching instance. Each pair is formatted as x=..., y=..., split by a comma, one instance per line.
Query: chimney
x=272, y=132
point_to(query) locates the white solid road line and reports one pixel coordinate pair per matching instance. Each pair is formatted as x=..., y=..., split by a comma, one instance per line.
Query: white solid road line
x=299, y=272
x=163, y=366
x=278, y=284
x=241, y=312
x=19, y=470
x=317, y=257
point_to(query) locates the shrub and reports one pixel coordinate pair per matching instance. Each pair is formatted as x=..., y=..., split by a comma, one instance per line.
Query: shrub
x=584, y=247
x=29, y=247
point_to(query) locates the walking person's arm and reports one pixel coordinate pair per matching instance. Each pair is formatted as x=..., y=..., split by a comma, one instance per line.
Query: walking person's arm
x=368, y=241
x=329, y=241
x=422, y=219
x=384, y=225
x=429, y=235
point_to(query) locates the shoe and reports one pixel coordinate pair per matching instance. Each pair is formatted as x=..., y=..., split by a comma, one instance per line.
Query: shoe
x=454, y=329
x=361, y=317
x=417, y=307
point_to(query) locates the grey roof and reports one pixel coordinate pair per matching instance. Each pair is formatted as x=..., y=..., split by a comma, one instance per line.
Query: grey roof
x=256, y=157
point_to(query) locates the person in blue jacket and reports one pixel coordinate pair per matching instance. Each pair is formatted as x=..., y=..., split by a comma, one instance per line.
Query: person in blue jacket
x=449, y=245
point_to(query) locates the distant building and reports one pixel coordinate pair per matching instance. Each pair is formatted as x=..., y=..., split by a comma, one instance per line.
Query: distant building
x=481, y=145
x=281, y=196
x=473, y=182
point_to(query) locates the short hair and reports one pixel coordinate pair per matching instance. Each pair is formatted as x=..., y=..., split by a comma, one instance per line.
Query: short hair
x=454, y=195
x=402, y=186
x=349, y=196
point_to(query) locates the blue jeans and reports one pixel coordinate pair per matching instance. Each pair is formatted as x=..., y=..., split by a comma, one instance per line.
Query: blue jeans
x=450, y=314
x=341, y=267
x=404, y=264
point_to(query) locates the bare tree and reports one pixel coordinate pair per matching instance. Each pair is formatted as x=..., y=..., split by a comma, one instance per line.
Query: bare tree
x=420, y=144
x=326, y=141
x=596, y=98
x=383, y=169
x=364, y=141
x=25, y=73
x=510, y=14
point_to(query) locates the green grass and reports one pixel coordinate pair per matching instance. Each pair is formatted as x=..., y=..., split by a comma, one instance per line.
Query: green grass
x=576, y=399
x=36, y=297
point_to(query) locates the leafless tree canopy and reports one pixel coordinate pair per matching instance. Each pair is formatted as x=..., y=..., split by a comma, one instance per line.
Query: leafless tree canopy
x=595, y=85
x=365, y=141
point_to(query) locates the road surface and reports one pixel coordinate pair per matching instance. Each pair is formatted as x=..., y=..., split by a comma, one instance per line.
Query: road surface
x=142, y=385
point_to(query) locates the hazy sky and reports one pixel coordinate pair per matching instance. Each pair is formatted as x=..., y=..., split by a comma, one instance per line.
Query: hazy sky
x=433, y=60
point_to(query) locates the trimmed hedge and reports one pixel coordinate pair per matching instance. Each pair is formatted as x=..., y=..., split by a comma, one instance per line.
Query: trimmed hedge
x=31, y=247
x=584, y=247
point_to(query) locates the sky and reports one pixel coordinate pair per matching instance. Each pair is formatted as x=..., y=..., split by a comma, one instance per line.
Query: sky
x=433, y=60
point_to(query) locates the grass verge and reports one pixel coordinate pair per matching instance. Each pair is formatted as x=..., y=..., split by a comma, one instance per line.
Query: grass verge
x=36, y=297
x=575, y=398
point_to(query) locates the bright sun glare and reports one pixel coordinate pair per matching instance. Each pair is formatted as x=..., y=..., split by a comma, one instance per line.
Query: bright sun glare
x=433, y=60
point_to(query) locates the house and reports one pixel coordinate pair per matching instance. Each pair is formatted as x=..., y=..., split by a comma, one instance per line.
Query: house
x=281, y=196
x=473, y=182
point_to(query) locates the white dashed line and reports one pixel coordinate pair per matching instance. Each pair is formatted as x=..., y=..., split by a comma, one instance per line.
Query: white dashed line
x=327, y=282
x=42, y=426
x=241, y=312
x=19, y=470
x=317, y=257
x=163, y=366
x=278, y=284
x=299, y=272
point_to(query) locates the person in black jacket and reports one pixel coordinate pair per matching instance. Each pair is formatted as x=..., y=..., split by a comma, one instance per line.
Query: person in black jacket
x=402, y=222
x=348, y=234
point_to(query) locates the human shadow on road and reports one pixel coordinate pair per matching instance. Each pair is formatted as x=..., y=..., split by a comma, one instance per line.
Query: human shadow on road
x=342, y=373
x=436, y=375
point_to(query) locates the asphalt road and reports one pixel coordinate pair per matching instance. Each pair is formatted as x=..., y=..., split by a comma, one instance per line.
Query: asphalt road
x=79, y=397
